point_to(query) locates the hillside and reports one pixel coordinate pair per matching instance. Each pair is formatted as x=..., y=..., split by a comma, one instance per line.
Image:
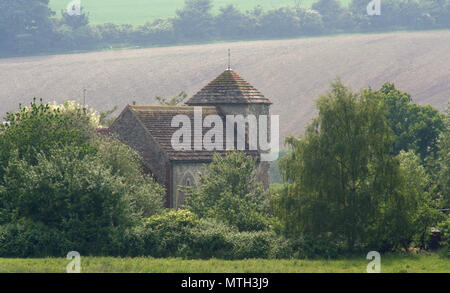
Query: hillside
x=292, y=73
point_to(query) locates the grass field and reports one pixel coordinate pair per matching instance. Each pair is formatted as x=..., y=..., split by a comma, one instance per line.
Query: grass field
x=139, y=11
x=389, y=264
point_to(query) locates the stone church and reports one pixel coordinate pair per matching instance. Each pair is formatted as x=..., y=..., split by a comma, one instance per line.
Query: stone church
x=148, y=130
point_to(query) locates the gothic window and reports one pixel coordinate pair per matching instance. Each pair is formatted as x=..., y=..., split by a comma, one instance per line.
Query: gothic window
x=188, y=179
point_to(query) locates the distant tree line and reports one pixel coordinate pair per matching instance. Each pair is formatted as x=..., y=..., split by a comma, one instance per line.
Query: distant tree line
x=28, y=27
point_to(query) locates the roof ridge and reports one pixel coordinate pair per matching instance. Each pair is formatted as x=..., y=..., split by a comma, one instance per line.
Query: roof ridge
x=174, y=108
x=228, y=88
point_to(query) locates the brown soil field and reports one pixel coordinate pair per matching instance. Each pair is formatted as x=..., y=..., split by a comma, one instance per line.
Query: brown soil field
x=292, y=73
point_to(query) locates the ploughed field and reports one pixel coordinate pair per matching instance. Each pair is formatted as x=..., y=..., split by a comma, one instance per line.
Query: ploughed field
x=291, y=73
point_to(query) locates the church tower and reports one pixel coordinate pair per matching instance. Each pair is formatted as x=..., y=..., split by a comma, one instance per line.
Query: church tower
x=232, y=95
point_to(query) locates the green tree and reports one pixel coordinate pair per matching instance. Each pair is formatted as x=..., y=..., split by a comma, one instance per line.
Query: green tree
x=195, y=20
x=229, y=192
x=343, y=181
x=310, y=21
x=444, y=161
x=230, y=22
x=24, y=25
x=172, y=101
x=40, y=128
x=332, y=12
x=68, y=191
x=415, y=127
x=58, y=173
x=75, y=21
x=280, y=22
x=105, y=119
x=144, y=195
x=423, y=212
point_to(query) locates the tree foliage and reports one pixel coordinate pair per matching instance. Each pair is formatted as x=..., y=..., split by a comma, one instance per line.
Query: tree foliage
x=24, y=24
x=415, y=127
x=344, y=182
x=172, y=101
x=58, y=174
x=67, y=191
x=30, y=26
x=444, y=161
x=422, y=212
x=75, y=21
x=195, y=20
x=44, y=127
x=229, y=192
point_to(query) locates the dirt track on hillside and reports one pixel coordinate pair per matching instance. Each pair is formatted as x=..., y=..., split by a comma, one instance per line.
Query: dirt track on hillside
x=292, y=73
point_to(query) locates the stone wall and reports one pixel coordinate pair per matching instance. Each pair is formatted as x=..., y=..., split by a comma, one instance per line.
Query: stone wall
x=131, y=132
x=257, y=110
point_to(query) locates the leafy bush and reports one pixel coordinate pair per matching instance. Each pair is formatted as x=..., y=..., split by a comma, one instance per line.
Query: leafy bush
x=229, y=192
x=423, y=212
x=68, y=192
x=181, y=234
x=209, y=239
x=166, y=233
x=27, y=238
x=44, y=127
x=56, y=172
x=444, y=228
x=213, y=239
x=250, y=244
x=306, y=246
x=144, y=194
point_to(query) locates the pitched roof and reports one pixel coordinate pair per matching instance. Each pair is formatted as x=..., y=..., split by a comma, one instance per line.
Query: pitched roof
x=157, y=120
x=228, y=88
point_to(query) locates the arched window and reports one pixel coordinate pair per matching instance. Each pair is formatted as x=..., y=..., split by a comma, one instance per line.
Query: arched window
x=188, y=179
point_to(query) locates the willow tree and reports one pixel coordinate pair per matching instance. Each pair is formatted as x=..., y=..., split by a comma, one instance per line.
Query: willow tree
x=344, y=182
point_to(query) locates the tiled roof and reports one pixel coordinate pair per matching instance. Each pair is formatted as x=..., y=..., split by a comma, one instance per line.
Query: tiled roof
x=228, y=88
x=157, y=120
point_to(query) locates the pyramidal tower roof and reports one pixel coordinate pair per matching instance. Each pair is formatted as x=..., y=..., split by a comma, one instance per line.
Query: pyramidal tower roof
x=228, y=88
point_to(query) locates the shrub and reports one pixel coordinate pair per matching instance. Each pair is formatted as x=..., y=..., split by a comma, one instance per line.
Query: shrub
x=209, y=239
x=71, y=193
x=307, y=246
x=250, y=244
x=56, y=172
x=165, y=234
x=40, y=128
x=229, y=192
x=32, y=239
x=144, y=194
x=444, y=228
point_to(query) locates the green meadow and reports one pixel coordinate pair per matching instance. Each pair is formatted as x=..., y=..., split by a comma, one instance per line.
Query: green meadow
x=392, y=263
x=138, y=12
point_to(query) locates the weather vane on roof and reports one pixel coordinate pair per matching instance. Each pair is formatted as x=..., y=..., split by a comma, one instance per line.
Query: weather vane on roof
x=229, y=59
